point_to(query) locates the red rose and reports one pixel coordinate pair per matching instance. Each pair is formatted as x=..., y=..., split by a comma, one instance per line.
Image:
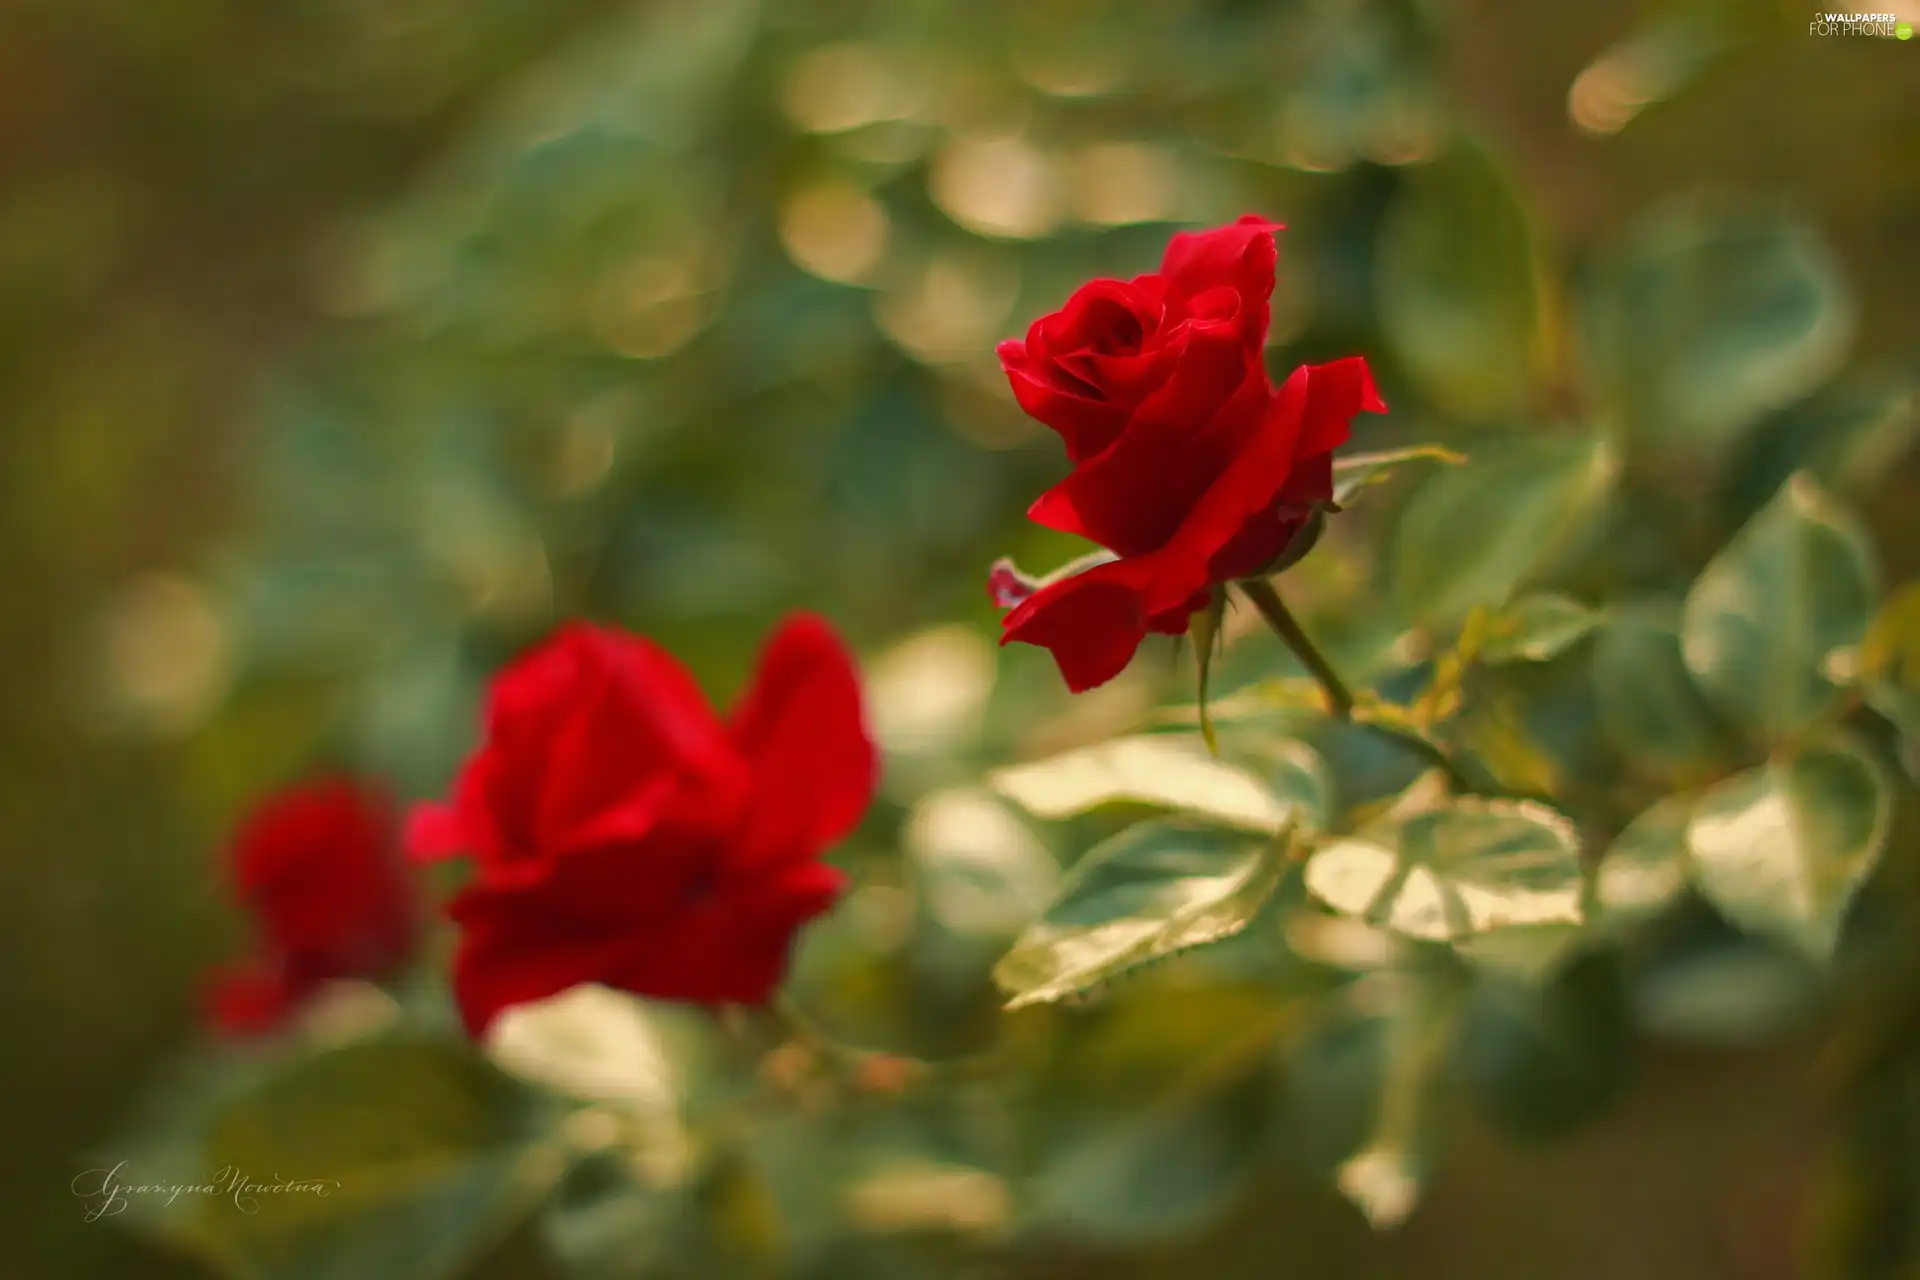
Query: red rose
x=1189, y=466
x=624, y=835
x=319, y=868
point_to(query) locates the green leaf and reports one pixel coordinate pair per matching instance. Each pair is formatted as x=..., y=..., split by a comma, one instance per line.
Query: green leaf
x=1333, y=1074
x=1739, y=992
x=1703, y=320
x=1645, y=869
x=1849, y=435
x=1141, y=1127
x=1782, y=849
x=1527, y=954
x=1541, y=1055
x=607, y=1222
x=1147, y=1173
x=1171, y=771
x=1153, y=890
x=1418, y=1026
x=1890, y=660
x=1537, y=628
x=1475, y=535
x=1649, y=706
x=1204, y=629
x=1291, y=769
x=1457, y=285
x=427, y=1155
x=1447, y=874
x=1793, y=589
x=1356, y=471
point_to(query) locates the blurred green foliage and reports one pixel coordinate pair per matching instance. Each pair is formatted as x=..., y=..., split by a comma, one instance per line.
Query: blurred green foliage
x=346, y=347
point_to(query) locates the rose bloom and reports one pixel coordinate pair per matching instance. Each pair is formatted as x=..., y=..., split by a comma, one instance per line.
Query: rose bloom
x=1189, y=467
x=319, y=868
x=625, y=835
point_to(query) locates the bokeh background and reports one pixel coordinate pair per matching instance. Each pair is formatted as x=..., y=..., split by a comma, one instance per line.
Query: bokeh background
x=344, y=346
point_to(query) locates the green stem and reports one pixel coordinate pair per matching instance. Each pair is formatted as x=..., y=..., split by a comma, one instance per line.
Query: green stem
x=790, y=1016
x=846, y=1059
x=1287, y=627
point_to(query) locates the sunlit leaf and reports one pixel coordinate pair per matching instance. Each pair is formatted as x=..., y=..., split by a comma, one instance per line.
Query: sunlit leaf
x=1645, y=870
x=1477, y=534
x=1173, y=771
x=1153, y=890
x=1446, y=874
x=1458, y=298
x=1782, y=849
x=590, y=1042
x=1291, y=769
x=1766, y=616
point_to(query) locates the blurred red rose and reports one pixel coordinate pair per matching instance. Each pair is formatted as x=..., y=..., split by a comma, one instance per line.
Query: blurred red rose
x=1189, y=466
x=319, y=868
x=624, y=835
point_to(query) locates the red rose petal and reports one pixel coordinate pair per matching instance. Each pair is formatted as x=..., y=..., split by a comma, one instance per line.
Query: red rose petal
x=800, y=727
x=1092, y=622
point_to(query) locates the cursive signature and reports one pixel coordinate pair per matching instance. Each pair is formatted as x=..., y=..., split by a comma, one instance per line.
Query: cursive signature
x=107, y=1192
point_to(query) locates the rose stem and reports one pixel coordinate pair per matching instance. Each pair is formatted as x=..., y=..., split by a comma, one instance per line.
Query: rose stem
x=1287, y=627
